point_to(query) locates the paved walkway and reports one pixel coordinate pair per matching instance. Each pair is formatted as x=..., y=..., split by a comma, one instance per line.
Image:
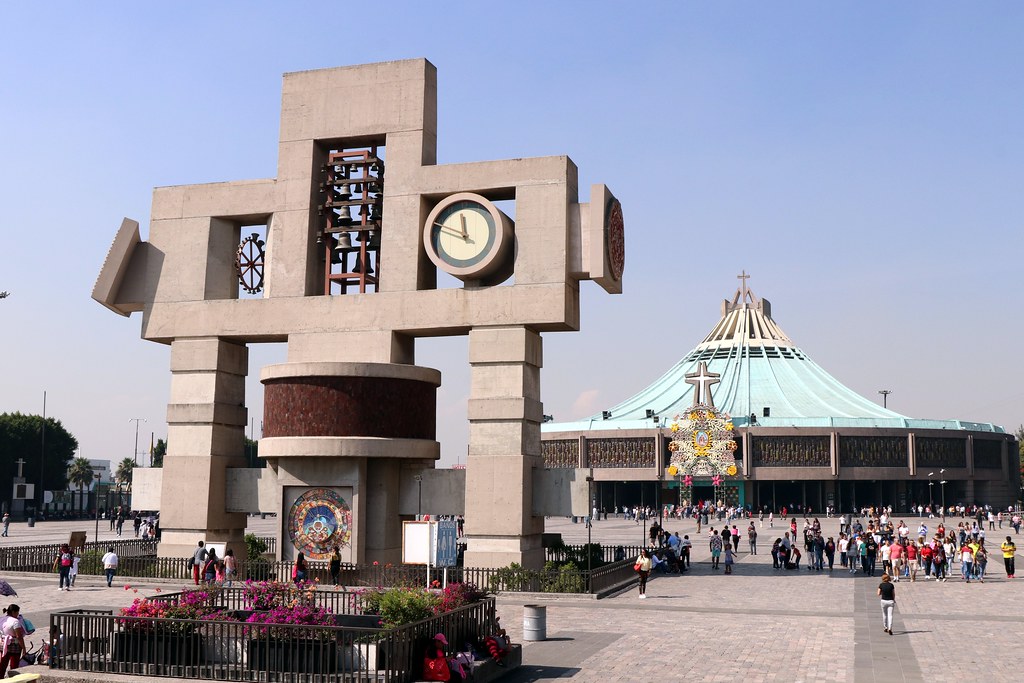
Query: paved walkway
x=758, y=624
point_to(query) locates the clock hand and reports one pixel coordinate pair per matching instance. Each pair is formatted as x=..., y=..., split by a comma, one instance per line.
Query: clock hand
x=462, y=217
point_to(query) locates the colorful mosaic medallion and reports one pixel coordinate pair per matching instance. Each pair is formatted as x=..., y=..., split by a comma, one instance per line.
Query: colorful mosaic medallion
x=319, y=520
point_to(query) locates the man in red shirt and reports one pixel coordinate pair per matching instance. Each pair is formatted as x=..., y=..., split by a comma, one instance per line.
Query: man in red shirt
x=896, y=555
x=926, y=560
x=912, y=560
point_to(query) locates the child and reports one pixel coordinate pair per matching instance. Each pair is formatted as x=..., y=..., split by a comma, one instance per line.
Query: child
x=728, y=558
x=74, y=568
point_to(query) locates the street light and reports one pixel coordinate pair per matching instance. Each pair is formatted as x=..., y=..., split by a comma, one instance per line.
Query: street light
x=943, y=484
x=931, y=496
x=885, y=396
x=135, y=453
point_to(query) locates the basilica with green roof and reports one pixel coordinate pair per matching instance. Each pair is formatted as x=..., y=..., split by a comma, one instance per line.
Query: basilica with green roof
x=802, y=437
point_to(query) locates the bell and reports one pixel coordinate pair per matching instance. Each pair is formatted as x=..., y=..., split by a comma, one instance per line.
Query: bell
x=357, y=188
x=359, y=265
x=376, y=167
x=339, y=195
x=341, y=220
x=374, y=242
x=344, y=241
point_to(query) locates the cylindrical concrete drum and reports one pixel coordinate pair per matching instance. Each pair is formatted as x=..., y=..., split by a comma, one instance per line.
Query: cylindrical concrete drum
x=535, y=622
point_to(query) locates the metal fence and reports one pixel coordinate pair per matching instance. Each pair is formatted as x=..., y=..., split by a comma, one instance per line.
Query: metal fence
x=606, y=553
x=215, y=649
x=138, y=560
x=37, y=558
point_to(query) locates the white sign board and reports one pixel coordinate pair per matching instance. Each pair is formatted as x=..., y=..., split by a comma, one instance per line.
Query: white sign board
x=417, y=542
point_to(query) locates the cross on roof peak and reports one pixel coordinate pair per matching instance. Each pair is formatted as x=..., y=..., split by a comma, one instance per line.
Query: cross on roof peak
x=702, y=380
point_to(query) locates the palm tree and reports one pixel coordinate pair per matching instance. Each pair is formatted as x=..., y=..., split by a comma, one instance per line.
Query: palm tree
x=124, y=471
x=80, y=473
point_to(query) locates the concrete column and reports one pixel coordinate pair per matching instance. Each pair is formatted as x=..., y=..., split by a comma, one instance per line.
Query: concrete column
x=970, y=456
x=912, y=454
x=505, y=413
x=206, y=420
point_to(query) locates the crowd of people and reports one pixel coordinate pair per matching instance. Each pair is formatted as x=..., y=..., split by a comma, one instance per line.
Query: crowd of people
x=883, y=546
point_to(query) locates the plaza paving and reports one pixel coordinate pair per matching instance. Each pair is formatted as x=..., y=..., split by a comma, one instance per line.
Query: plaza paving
x=757, y=625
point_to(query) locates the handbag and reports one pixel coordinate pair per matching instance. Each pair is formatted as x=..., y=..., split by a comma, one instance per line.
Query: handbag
x=636, y=567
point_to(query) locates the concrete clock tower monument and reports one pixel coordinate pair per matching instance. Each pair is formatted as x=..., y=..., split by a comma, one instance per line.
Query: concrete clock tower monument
x=339, y=257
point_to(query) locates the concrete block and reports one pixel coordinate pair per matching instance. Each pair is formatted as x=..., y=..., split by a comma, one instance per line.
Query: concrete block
x=505, y=344
x=209, y=355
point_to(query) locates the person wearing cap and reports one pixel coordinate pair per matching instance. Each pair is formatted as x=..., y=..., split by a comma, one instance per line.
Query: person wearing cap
x=435, y=662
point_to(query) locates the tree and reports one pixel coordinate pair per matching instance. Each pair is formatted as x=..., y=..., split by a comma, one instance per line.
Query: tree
x=159, y=451
x=21, y=438
x=1020, y=448
x=252, y=454
x=80, y=474
x=124, y=471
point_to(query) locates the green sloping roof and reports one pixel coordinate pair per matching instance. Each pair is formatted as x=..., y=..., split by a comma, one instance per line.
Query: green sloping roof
x=759, y=367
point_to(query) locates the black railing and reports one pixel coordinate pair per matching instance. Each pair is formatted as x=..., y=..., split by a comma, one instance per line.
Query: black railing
x=607, y=553
x=137, y=560
x=231, y=650
x=41, y=557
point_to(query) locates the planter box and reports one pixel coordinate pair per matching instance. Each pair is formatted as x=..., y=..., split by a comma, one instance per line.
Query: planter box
x=145, y=647
x=294, y=656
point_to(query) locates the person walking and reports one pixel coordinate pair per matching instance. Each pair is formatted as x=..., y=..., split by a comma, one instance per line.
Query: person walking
x=643, y=567
x=230, y=567
x=7, y=524
x=1009, y=549
x=210, y=568
x=110, y=565
x=715, y=545
x=887, y=595
x=300, y=568
x=335, y=566
x=752, y=538
x=966, y=562
x=62, y=565
x=198, y=559
x=728, y=558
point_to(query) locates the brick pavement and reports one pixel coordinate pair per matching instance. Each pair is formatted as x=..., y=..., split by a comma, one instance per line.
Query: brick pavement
x=756, y=625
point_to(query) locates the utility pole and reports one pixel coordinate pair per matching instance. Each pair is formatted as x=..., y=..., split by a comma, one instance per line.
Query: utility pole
x=42, y=463
x=135, y=453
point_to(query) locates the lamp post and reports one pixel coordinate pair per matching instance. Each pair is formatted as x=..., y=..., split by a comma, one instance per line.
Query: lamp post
x=135, y=453
x=943, y=485
x=885, y=396
x=419, y=495
x=96, y=498
x=42, y=462
x=590, y=526
x=931, y=497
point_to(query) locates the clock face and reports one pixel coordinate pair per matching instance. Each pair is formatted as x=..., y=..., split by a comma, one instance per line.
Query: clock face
x=465, y=235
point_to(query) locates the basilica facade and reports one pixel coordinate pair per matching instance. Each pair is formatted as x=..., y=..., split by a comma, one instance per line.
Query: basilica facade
x=802, y=437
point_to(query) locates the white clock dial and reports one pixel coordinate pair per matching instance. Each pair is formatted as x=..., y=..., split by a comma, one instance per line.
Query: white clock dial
x=468, y=236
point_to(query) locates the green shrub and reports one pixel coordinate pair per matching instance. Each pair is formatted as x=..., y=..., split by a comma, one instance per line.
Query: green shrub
x=398, y=606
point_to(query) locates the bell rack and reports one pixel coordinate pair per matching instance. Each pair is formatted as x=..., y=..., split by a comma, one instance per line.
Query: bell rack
x=352, y=197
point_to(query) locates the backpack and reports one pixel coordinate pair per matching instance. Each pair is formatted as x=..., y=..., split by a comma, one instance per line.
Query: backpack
x=65, y=559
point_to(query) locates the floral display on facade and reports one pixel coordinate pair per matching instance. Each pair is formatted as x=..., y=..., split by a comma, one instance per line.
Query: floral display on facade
x=702, y=437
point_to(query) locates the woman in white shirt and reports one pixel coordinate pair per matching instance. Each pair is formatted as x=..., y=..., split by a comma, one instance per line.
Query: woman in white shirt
x=13, y=636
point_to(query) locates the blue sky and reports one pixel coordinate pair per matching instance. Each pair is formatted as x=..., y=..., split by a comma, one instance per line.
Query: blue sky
x=861, y=160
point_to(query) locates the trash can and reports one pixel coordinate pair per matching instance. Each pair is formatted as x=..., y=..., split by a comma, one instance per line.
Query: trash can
x=31, y=521
x=535, y=622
